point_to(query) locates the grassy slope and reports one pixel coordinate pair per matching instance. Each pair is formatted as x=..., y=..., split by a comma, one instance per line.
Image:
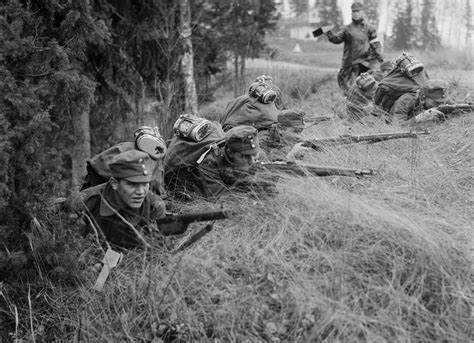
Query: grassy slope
x=337, y=259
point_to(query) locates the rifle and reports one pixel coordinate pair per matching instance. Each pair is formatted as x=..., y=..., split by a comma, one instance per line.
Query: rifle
x=317, y=120
x=372, y=138
x=446, y=109
x=188, y=218
x=185, y=219
x=194, y=238
x=312, y=170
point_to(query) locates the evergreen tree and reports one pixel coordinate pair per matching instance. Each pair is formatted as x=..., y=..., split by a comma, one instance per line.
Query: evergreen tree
x=329, y=13
x=299, y=7
x=429, y=35
x=404, y=32
x=241, y=27
x=371, y=7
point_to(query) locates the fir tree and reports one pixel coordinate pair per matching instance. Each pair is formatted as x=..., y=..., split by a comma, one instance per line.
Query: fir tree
x=403, y=28
x=429, y=35
x=329, y=13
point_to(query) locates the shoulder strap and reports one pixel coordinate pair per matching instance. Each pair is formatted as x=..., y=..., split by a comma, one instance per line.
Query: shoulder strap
x=213, y=147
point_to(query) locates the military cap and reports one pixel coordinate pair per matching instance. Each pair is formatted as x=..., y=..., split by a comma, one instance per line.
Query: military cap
x=387, y=65
x=357, y=6
x=242, y=139
x=133, y=166
x=292, y=118
x=263, y=78
x=435, y=89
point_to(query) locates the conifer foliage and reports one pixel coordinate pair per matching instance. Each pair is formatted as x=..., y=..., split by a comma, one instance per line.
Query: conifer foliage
x=409, y=32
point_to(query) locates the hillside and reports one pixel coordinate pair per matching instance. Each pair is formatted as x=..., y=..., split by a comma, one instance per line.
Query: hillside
x=381, y=258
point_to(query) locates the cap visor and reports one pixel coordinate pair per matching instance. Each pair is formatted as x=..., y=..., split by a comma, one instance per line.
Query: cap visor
x=138, y=178
x=249, y=152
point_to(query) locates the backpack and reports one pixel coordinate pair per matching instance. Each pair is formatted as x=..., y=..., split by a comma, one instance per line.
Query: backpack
x=395, y=84
x=186, y=152
x=246, y=110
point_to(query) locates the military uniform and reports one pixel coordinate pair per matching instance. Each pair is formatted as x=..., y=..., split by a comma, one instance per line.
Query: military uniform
x=357, y=55
x=213, y=173
x=410, y=104
x=290, y=125
x=397, y=92
x=109, y=212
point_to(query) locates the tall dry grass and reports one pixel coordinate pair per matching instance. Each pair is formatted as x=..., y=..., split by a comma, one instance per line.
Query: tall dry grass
x=338, y=259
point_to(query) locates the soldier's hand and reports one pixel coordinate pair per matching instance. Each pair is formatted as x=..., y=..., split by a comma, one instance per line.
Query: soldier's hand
x=428, y=115
x=173, y=228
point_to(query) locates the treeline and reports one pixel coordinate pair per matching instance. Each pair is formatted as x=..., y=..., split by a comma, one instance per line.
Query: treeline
x=75, y=72
x=410, y=30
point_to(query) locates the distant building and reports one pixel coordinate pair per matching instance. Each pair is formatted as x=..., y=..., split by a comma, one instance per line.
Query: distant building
x=302, y=32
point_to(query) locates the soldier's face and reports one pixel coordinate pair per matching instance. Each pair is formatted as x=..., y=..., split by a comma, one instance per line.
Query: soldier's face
x=430, y=103
x=244, y=161
x=132, y=193
x=357, y=14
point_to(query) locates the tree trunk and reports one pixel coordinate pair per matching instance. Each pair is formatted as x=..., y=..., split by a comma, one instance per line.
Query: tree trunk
x=382, y=24
x=81, y=149
x=236, y=75
x=187, y=66
x=242, y=74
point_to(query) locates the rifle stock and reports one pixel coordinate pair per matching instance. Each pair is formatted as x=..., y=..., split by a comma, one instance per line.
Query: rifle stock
x=371, y=138
x=195, y=217
x=308, y=169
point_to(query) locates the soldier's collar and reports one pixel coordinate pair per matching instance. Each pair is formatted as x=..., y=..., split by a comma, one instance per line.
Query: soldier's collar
x=107, y=200
x=105, y=210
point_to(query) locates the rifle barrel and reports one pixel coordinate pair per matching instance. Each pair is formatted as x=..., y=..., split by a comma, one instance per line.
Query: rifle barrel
x=306, y=169
x=448, y=108
x=372, y=138
x=195, y=217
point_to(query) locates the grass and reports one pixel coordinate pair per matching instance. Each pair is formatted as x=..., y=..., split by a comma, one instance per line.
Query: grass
x=384, y=258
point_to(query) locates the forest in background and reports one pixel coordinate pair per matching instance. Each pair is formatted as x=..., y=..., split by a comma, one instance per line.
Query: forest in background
x=106, y=67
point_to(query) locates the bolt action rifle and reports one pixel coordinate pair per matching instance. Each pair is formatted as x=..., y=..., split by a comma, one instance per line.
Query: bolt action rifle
x=449, y=108
x=166, y=224
x=371, y=138
x=195, y=217
x=312, y=170
x=317, y=120
x=442, y=112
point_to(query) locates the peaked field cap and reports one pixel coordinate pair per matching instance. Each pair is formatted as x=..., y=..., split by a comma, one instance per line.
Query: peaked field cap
x=132, y=165
x=357, y=6
x=292, y=118
x=435, y=89
x=386, y=65
x=243, y=139
x=435, y=84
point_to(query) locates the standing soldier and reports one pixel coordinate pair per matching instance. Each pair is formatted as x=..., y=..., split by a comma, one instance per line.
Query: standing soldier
x=362, y=50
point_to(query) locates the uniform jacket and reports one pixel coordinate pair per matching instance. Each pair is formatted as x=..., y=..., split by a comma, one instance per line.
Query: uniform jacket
x=356, y=38
x=104, y=205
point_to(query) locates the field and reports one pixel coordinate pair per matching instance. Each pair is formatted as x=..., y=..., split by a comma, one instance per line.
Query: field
x=339, y=259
